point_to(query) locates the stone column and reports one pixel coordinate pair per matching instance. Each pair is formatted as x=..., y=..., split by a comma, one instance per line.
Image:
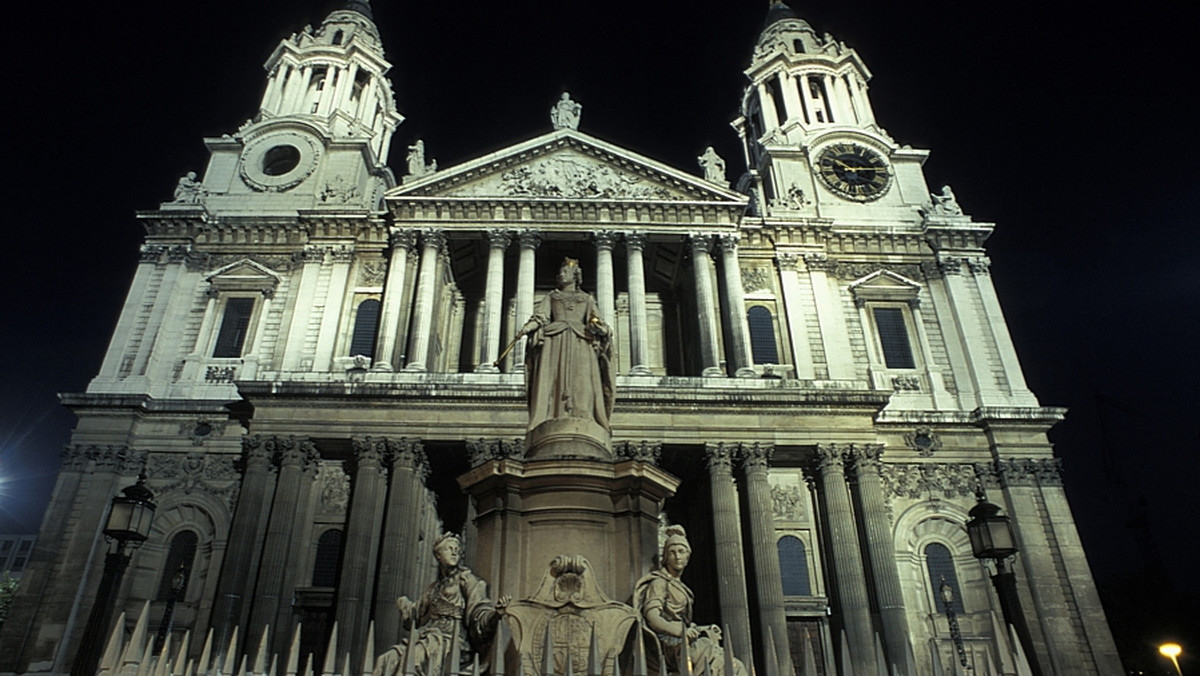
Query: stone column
x=297, y=460
x=739, y=352
x=606, y=297
x=881, y=552
x=235, y=589
x=841, y=536
x=791, y=96
x=705, y=305
x=529, y=241
x=360, y=554
x=331, y=307
x=390, y=317
x=493, y=300
x=797, y=328
x=727, y=539
x=639, y=350
x=398, y=553
x=767, y=102
x=418, y=354
x=768, y=579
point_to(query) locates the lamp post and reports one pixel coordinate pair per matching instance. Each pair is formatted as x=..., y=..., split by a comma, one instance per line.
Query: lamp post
x=127, y=527
x=952, y=619
x=992, y=539
x=1172, y=650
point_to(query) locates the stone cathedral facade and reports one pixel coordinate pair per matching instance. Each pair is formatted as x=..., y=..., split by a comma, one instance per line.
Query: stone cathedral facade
x=308, y=367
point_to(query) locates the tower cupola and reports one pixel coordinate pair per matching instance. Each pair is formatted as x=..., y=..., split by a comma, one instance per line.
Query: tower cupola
x=801, y=84
x=333, y=77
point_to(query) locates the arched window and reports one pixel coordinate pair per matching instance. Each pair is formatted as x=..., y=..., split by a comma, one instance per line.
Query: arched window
x=337, y=38
x=762, y=335
x=366, y=321
x=793, y=566
x=941, y=567
x=329, y=558
x=182, y=554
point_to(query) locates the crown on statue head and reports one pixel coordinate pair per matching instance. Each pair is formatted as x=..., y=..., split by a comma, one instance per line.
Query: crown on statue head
x=570, y=262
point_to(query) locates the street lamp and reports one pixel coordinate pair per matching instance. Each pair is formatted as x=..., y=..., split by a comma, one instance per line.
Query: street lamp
x=178, y=584
x=1172, y=651
x=952, y=619
x=992, y=539
x=128, y=526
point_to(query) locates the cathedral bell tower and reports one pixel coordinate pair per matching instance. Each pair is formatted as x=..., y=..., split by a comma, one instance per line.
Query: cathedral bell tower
x=809, y=133
x=323, y=129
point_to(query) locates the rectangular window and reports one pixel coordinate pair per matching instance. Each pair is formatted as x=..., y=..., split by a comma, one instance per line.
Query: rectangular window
x=234, y=326
x=893, y=337
x=24, y=546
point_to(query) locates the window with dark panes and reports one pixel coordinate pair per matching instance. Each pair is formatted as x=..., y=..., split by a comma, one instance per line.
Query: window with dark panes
x=234, y=325
x=941, y=567
x=762, y=335
x=366, y=321
x=182, y=553
x=329, y=557
x=793, y=566
x=893, y=337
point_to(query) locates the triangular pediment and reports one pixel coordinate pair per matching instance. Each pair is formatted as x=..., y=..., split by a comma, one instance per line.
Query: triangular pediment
x=567, y=165
x=243, y=275
x=885, y=285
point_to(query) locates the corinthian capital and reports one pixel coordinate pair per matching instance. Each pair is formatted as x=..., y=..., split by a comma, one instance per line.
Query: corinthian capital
x=756, y=457
x=720, y=456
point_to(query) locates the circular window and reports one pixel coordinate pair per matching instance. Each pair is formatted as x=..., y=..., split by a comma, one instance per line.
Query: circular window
x=280, y=160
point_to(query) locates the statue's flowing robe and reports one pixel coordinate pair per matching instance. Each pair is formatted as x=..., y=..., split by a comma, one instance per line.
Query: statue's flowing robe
x=674, y=601
x=568, y=369
x=459, y=598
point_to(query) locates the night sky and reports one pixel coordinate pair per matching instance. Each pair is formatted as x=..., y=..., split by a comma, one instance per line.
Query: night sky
x=1072, y=129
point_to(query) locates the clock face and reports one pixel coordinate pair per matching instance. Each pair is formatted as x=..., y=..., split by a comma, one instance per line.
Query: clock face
x=853, y=171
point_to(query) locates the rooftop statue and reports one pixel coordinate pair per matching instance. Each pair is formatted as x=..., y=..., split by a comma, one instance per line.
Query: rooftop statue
x=713, y=166
x=416, y=161
x=945, y=204
x=189, y=190
x=566, y=113
x=665, y=604
x=457, y=597
x=568, y=355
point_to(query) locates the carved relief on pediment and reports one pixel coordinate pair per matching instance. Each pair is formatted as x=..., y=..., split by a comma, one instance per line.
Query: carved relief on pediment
x=568, y=176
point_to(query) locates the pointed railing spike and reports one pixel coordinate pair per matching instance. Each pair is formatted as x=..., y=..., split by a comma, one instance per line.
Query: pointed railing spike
x=260, y=655
x=144, y=668
x=772, y=657
x=163, y=665
x=880, y=660
x=191, y=669
x=368, y=660
x=205, y=655
x=410, y=659
x=110, y=661
x=1004, y=651
x=910, y=659
x=1023, y=668
x=231, y=656
x=242, y=667
x=308, y=664
x=274, y=671
x=501, y=640
x=139, y=638
x=594, y=666
x=988, y=664
x=181, y=658
x=330, y=665
x=293, y=656
x=937, y=660
x=810, y=660
x=346, y=664
x=639, y=653
x=847, y=663
x=547, y=653
x=729, y=656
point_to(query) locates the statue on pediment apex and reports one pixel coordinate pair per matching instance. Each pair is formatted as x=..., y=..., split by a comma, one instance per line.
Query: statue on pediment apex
x=713, y=166
x=566, y=113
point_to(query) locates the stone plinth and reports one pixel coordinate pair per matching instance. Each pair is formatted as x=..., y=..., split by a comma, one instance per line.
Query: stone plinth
x=574, y=438
x=531, y=511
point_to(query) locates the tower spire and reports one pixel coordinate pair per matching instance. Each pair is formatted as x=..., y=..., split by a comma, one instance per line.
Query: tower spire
x=362, y=7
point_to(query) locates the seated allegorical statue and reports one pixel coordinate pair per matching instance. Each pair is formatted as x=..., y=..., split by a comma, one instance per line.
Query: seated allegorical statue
x=665, y=604
x=457, y=597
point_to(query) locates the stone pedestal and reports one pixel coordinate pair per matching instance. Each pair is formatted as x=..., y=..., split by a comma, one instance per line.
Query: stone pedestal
x=568, y=438
x=530, y=511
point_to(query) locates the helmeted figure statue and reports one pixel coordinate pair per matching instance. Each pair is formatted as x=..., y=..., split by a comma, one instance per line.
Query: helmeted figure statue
x=568, y=356
x=665, y=604
x=459, y=597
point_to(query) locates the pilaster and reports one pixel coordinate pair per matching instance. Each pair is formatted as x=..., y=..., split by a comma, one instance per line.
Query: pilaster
x=727, y=539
